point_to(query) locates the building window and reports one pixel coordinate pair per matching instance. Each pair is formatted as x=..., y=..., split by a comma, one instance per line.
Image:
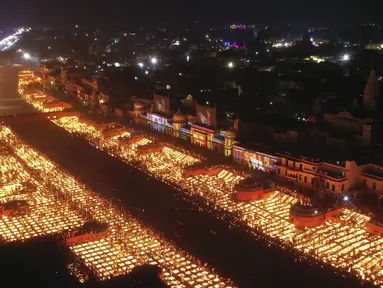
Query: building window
x=305, y=179
x=333, y=188
x=300, y=166
x=327, y=185
x=279, y=171
x=314, y=168
x=294, y=165
x=342, y=187
x=364, y=182
x=373, y=185
x=300, y=177
x=285, y=172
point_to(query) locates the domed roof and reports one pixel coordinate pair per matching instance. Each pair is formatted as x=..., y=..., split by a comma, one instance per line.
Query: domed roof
x=139, y=105
x=178, y=117
x=231, y=133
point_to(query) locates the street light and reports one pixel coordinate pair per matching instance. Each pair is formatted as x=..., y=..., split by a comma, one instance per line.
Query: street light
x=141, y=64
x=154, y=60
x=230, y=65
x=346, y=57
x=27, y=56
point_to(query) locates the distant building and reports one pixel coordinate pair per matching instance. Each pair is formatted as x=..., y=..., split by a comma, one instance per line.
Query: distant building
x=360, y=129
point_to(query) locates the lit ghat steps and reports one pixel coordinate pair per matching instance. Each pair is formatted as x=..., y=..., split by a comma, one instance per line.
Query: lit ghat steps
x=345, y=245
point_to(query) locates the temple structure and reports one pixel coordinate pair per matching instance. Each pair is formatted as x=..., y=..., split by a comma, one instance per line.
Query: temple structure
x=200, y=129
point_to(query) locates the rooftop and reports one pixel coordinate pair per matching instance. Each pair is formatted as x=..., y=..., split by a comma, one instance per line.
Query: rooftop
x=162, y=114
x=333, y=173
x=376, y=171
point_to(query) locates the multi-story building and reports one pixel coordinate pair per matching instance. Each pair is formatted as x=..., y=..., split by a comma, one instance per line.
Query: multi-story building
x=336, y=178
x=371, y=178
x=305, y=172
x=309, y=173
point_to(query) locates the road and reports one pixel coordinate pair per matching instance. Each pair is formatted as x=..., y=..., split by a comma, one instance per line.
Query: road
x=233, y=252
x=10, y=40
x=10, y=101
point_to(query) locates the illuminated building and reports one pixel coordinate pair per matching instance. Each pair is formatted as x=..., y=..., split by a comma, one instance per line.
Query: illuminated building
x=199, y=129
x=159, y=122
x=202, y=136
x=139, y=110
x=230, y=136
x=203, y=130
x=309, y=172
x=179, y=120
x=159, y=116
x=254, y=159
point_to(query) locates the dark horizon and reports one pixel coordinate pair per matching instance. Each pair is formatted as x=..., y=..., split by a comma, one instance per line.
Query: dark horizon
x=175, y=13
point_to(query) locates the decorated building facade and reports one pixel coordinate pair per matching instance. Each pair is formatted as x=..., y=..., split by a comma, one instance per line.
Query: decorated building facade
x=201, y=130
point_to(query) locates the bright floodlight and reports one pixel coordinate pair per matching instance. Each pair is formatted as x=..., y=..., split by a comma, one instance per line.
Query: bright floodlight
x=141, y=64
x=346, y=57
x=230, y=65
x=154, y=60
x=345, y=198
x=27, y=56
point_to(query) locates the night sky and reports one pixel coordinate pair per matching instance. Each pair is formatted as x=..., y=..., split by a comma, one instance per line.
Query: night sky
x=172, y=12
